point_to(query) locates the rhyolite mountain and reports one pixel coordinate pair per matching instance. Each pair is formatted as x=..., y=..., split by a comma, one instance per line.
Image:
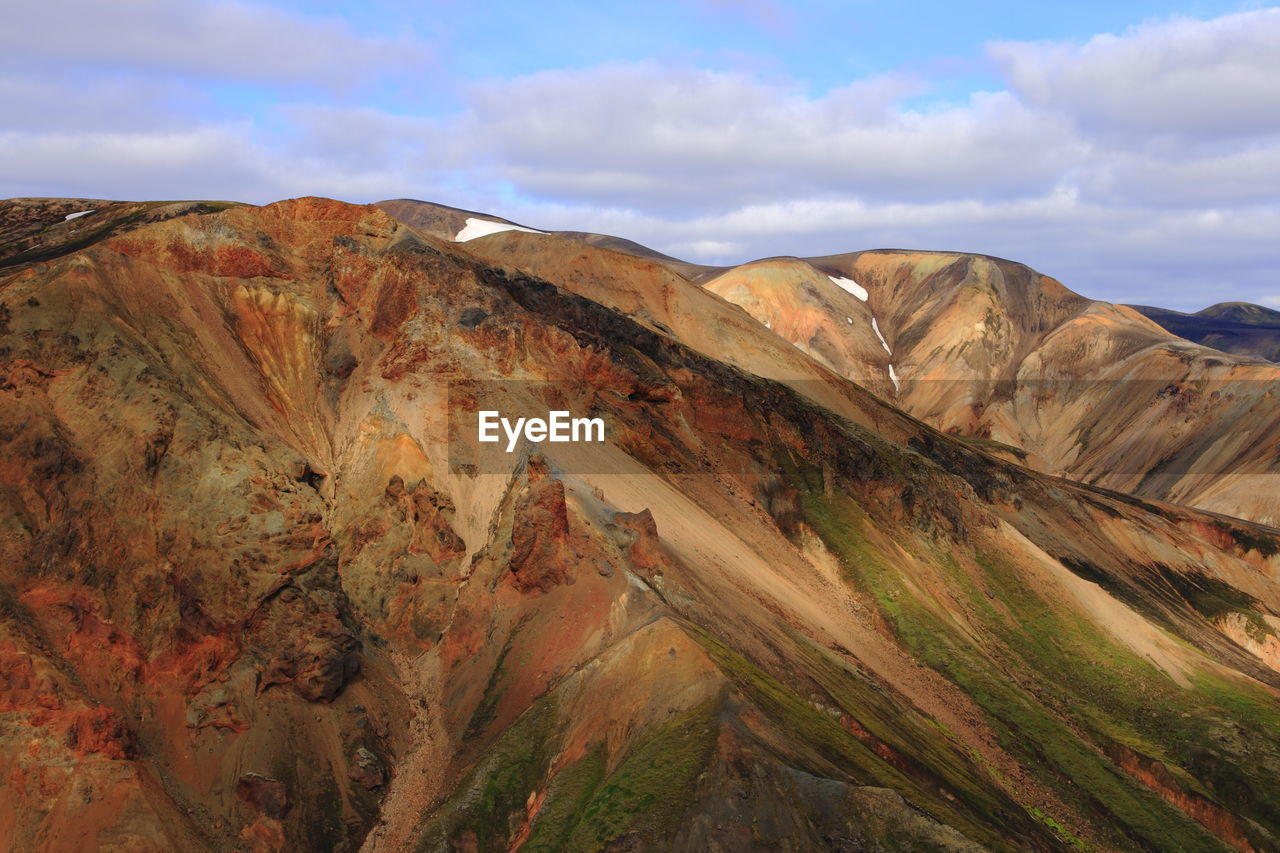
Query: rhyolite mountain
x=1006, y=357
x=261, y=590
x=993, y=350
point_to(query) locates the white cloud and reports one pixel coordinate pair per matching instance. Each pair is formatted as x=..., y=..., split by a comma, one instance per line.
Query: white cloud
x=694, y=139
x=1183, y=76
x=1246, y=176
x=48, y=103
x=202, y=38
x=143, y=164
x=207, y=161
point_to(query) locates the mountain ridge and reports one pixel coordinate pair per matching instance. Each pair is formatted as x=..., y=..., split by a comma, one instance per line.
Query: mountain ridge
x=1240, y=328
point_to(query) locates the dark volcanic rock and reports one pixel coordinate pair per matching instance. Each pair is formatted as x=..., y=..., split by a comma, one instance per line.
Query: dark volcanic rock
x=367, y=770
x=267, y=795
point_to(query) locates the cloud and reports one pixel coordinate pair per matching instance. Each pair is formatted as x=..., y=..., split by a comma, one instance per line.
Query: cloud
x=1249, y=175
x=198, y=38
x=1200, y=79
x=149, y=164
x=207, y=161
x=35, y=102
x=356, y=137
x=691, y=139
x=1181, y=113
x=186, y=98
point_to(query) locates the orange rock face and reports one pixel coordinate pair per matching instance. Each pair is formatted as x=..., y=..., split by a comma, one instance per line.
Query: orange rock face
x=541, y=552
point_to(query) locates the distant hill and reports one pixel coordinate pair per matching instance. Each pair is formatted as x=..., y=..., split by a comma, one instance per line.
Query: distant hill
x=1239, y=328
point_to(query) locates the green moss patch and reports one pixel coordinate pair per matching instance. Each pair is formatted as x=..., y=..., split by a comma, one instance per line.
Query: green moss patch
x=490, y=801
x=487, y=710
x=645, y=796
x=1055, y=689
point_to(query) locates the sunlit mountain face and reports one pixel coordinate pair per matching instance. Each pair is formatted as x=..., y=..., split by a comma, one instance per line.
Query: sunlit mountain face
x=875, y=551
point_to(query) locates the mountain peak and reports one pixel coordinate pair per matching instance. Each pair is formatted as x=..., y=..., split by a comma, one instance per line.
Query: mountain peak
x=1243, y=312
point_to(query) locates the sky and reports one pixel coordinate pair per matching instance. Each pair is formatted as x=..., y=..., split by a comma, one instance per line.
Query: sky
x=1130, y=150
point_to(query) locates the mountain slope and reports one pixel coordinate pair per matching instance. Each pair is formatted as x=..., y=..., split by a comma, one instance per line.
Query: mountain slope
x=992, y=350
x=1011, y=359
x=264, y=588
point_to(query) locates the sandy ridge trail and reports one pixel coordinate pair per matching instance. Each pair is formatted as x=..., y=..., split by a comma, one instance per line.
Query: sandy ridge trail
x=417, y=785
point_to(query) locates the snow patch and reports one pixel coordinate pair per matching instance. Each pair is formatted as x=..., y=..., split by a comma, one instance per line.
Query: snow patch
x=876, y=327
x=484, y=227
x=850, y=320
x=71, y=216
x=851, y=286
x=893, y=374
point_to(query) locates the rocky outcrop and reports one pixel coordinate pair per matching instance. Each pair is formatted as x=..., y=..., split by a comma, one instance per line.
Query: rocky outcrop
x=430, y=513
x=1156, y=776
x=269, y=796
x=637, y=534
x=303, y=643
x=1258, y=635
x=541, y=553
x=367, y=770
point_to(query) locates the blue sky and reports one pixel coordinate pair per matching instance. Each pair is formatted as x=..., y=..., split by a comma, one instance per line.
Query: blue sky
x=1131, y=150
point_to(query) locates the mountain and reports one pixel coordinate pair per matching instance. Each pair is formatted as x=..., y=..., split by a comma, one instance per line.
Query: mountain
x=265, y=589
x=998, y=353
x=1242, y=312
x=1235, y=327
x=1013, y=361
x=450, y=223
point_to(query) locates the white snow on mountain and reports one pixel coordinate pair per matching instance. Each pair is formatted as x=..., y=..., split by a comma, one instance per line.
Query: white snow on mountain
x=484, y=227
x=876, y=327
x=851, y=286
